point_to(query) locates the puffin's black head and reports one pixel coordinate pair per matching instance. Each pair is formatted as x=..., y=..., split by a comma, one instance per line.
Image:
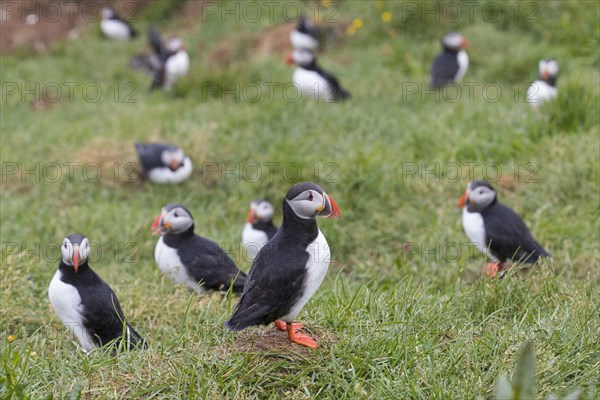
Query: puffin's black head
x=307, y=200
x=174, y=219
x=75, y=250
x=454, y=42
x=260, y=211
x=301, y=57
x=307, y=26
x=548, y=69
x=479, y=195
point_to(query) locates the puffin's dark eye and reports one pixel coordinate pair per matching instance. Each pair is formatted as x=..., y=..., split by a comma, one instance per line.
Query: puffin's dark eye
x=481, y=192
x=310, y=197
x=176, y=215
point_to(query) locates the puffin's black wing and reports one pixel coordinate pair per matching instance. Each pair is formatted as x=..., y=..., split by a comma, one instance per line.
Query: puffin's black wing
x=271, y=230
x=444, y=69
x=508, y=237
x=208, y=263
x=273, y=285
x=150, y=154
x=338, y=92
x=157, y=43
x=104, y=318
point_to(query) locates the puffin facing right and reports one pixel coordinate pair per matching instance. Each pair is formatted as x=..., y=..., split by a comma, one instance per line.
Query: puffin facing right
x=545, y=87
x=451, y=65
x=496, y=230
x=289, y=269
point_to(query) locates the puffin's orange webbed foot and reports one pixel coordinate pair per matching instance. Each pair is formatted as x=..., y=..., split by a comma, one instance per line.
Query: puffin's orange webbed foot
x=282, y=325
x=300, y=338
x=492, y=269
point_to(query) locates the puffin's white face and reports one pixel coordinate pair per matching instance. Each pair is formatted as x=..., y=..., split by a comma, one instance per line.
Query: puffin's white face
x=108, y=13
x=173, y=219
x=477, y=196
x=548, y=67
x=174, y=159
x=301, y=57
x=310, y=203
x=75, y=250
x=454, y=41
x=261, y=211
x=173, y=45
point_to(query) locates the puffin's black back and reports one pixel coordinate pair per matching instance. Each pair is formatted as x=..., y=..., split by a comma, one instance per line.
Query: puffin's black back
x=150, y=154
x=444, y=69
x=275, y=281
x=103, y=315
x=266, y=227
x=206, y=261
x=338, y=92
x=508, y=237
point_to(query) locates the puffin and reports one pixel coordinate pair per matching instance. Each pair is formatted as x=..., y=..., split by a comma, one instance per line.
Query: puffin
x=173, y=60
x=190, y=259
x=114, y=27
x=304, y=36
x=452, y=63
x=289, y=269
x=545, y=87
x=312, y=80
x=259, y=228
x=496, y=230
x=85, y=303
x=163, y=163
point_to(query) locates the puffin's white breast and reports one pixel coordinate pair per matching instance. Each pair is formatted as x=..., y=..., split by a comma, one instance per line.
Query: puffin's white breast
x=311, y=84
x=176, y=66
x=253, y=240
x=115, y=29
x=463, y=65
x=540, y=91
x=319, y=257
x=170, y=264
x=166, y=175
x=66, y=302
x=475, y=230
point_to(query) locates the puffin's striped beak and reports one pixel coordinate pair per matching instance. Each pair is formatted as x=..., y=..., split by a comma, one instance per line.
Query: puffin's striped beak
x=156, y=228
x=289, y=60
x=544, y=75
x=464, y=44
x=330, y=209
x=174, y=165
x=251, y=216
x=76, y=258
x=464, y=200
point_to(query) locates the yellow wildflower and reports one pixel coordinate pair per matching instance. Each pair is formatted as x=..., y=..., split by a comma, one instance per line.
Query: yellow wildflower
x=386, y=16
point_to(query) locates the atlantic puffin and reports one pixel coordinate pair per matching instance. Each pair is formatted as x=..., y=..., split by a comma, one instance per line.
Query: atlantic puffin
x=259, y=228
x=190, y=259
x=305, y=35
x=174, y=60
x=545, y=87
x=452, y=63
x=114, y=27
x=289, y=269
x=312, y=80
x=496, y=230
x=163, y=163
x=85, y=303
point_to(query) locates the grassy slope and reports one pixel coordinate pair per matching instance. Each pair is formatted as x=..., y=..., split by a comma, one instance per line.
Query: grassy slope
x=390, y=324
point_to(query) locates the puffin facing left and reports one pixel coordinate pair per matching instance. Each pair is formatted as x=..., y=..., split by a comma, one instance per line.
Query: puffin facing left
x=114, y=27
x=85, y=303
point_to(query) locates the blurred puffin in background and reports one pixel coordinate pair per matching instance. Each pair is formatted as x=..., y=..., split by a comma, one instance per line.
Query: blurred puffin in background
x=259, y=228
x=163, y=163
x=113, y=27
x=452, y=63
x=544, y=88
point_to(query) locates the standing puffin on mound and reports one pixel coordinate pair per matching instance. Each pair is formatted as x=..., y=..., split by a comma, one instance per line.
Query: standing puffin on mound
x=163, y=163
x=114, y=27
x=190, y=259
x=497, y=231
x=259, y=229
x=174, y=60
x=304, y=36
x=289, y=269
x=545, y=87
x=85, y=303
x=313, y=81
x=450, y=65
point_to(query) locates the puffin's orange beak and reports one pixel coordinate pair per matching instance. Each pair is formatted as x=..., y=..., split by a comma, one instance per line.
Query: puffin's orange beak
x=544, y=75
x=289, y=60
x=330, y=209
x=76, y=258
x=155, y=227
x=251, y=217
x=463, y=200
x=174, y=165
x=465, y=44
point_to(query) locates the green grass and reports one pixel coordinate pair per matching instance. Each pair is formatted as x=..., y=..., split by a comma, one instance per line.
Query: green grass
x=401, y=324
